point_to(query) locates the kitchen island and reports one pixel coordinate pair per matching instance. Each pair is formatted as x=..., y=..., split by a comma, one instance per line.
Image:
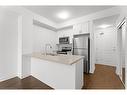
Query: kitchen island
x=58, y=71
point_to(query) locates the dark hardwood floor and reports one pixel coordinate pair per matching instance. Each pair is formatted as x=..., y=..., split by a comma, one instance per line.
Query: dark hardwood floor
x=26, y=83
x=103, y=78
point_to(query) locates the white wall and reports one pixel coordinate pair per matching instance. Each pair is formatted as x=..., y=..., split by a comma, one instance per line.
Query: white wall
x=8, y=44
x=27, y=29
x=19, y=67
x=26, y=66
x=24, y=30
x=42, y=36
x=25, y=42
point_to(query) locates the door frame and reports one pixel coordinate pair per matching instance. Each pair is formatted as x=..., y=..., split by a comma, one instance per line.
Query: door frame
x=119, y=53
x=97, y=32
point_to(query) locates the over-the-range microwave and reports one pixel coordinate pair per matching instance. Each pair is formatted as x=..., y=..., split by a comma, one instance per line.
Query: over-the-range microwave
x=63, y=40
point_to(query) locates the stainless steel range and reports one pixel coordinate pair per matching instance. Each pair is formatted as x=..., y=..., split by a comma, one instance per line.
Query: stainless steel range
x=65, y=50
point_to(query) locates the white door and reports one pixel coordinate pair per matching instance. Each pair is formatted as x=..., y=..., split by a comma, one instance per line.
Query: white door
x=105, y=43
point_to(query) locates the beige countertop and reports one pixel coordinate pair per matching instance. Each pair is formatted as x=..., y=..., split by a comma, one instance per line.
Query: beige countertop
x=65, y=59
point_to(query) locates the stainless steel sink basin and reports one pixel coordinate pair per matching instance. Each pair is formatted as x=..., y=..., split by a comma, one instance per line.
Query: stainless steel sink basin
x=53, y=54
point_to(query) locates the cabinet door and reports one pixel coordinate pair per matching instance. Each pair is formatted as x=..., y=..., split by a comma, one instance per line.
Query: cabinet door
x=85, y=27
x=77, y=29
x=74, y=29
x=61, y=34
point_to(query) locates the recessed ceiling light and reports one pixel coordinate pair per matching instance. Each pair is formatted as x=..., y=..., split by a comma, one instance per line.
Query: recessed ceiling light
x=63, y=15
x=104, y=26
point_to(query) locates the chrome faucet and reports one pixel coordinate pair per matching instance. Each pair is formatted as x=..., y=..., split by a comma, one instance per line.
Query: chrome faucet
x=46, y=46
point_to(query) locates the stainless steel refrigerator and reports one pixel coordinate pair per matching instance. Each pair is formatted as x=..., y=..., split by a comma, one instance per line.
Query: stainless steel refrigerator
x=81, y=46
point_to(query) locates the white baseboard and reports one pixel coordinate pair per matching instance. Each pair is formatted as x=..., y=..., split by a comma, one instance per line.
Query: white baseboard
x=25, y=76
x=7, y=77
x=106, y=64
x=92, y=70
x=121, y=81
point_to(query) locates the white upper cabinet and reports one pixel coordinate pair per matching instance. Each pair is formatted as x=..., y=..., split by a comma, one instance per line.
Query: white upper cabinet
x=81, y=28
x=85, y=27
x=77, y=29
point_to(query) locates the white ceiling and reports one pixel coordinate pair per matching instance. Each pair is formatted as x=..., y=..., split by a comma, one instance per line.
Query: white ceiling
x=111, y=20
x=50, y=12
